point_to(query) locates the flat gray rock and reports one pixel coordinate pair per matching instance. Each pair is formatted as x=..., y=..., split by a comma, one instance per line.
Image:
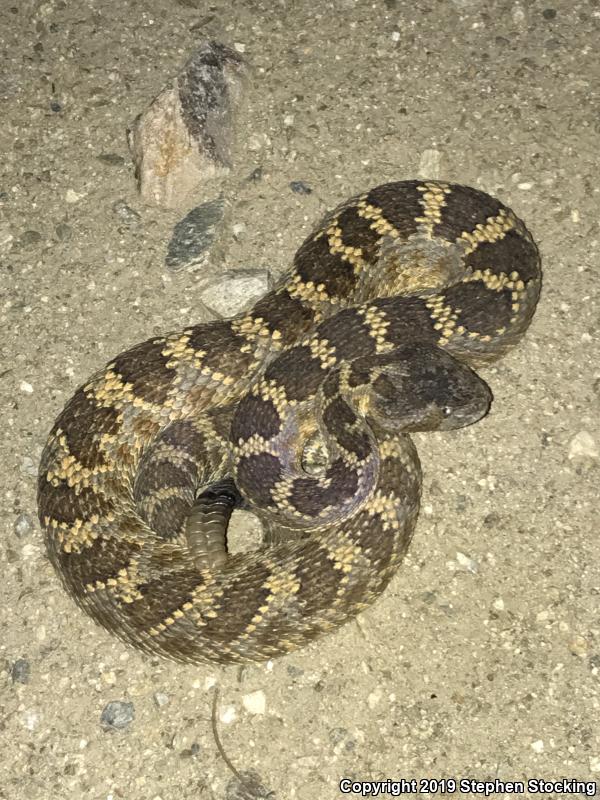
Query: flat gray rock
x=194, y=235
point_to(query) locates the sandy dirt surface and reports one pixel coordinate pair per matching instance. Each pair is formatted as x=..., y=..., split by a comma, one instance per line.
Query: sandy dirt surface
x=482, y=660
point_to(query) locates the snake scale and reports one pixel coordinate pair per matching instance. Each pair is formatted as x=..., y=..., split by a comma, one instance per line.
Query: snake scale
x=299, y=410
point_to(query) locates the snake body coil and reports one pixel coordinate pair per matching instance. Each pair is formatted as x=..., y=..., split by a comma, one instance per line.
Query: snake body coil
x=391, y=302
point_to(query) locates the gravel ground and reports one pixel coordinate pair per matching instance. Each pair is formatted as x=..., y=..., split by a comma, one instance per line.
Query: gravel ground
x=482, y=660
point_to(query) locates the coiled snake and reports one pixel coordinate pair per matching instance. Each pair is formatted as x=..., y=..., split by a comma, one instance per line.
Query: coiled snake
x=299, y=410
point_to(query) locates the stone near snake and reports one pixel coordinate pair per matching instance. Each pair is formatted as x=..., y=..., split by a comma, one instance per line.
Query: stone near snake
x=298, y=410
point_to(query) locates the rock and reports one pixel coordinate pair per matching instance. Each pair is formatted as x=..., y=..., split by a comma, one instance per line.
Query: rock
x=374, y=698
x=583, y=445
x=235, y=291
x=117, y=715
x=227, y=715
x=239, y=229
x=431, y=164
x=300, y=187
x=341, y=740
x=63, y=232
x=579, y=646
x=193, y=236
x=30, y=238
x=161, y=699
x=182, y=142
x=28, y=467
x=112, y=159
x=127, y=215
x=255, y=702
x=191, y=751
x=256, y=174
x=72, y=197
x=337, y=735
x=30, y=719
x=467, y=563
x=20, y=671
x=23, y=526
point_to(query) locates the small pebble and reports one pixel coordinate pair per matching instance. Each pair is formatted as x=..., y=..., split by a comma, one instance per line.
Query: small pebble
x=21, y=671
x=113, y=159
x=430, y=164
x=255, y=702
x=579, y=647
x=127, y=215
x=467, y=563
x=227, y=715
x=537, y=746
x=257, y=141
x=30, y=238
x=256, y=174
x=72, y=196
x=161, y=699
x=337, y=735
x=492, y=520
x=192, y=750
x=109, y=678
x=23, y=526
x=373, y=698
x=341, y=740
x=583, y=445
x=28, y=467
x=117, y=715
x=594, y=763
x=235, y=291
x=63, y=232
x=518, y=15
x=31, y=719
x=26, y=387
x=300, y=187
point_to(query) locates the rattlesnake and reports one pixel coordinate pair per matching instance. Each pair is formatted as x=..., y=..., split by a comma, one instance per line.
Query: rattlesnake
x=299, y=410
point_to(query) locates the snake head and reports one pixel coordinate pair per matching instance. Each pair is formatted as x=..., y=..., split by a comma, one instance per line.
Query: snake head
x=421, y=387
